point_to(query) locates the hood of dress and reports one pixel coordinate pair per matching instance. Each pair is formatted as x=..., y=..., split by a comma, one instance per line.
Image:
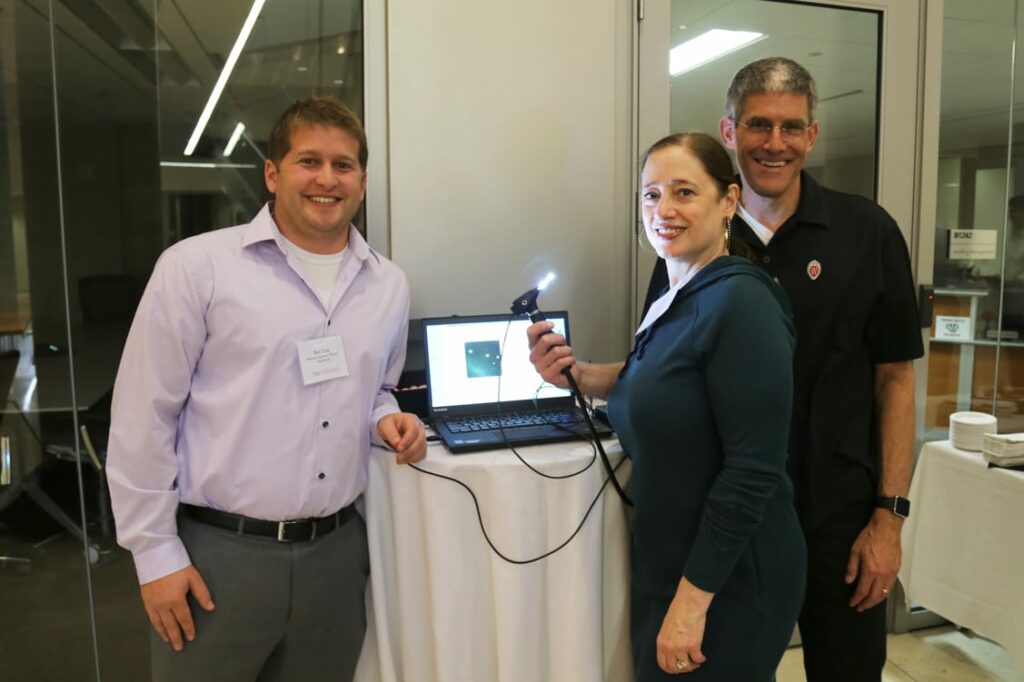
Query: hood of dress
x=733, y=266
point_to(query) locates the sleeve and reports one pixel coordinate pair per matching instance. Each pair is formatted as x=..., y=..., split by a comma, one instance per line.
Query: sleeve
x=153, y=380
x=384, y=402
x=894, y=331
x=749, y=380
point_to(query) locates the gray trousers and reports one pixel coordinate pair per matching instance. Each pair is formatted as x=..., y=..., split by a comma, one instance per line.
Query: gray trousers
x=284, y=611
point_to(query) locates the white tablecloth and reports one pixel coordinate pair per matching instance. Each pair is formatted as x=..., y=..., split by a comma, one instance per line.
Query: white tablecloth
x=445, y=608
x=963, y=545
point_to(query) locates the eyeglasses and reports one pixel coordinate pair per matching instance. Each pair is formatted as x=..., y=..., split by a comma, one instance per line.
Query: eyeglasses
x=789, y=131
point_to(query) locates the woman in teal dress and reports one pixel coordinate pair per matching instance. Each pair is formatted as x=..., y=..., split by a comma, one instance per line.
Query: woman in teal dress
x=702, y=405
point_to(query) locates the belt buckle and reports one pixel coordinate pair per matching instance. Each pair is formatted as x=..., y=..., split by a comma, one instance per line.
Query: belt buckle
x=281, y=525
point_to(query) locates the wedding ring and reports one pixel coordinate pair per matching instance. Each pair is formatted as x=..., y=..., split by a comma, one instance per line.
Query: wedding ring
x=885, y=591
x=682, y=663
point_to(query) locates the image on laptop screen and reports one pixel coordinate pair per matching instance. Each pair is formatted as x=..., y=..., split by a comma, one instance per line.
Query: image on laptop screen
x=466, y=361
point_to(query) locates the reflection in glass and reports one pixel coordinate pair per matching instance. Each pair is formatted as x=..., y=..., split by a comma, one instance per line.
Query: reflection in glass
x=976, y=349
x=838, y=46
x=44, y=561
x=132, y=78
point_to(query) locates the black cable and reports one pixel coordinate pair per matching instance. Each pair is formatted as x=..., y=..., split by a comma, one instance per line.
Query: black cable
x=597, y=439
x=504, y=437
x=595, y=446
x=483, y=529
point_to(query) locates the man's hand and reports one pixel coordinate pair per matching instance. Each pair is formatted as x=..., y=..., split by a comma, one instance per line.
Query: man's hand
x=403, y=431
x=548, y=353
x=875, y=560
x=167, y=606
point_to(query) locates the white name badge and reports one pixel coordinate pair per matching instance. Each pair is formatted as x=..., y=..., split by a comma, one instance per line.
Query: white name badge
x=322, y=359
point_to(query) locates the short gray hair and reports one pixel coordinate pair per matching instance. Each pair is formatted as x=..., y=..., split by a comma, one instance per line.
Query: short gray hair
x=773, y=75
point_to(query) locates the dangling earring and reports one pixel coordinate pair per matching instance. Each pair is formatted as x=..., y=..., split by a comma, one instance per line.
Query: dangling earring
x=641, y=239
x=728, y=234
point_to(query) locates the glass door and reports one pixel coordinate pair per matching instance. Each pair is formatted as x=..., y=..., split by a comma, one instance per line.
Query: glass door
x=867, y=58
x=976, y=259
x=863, y=55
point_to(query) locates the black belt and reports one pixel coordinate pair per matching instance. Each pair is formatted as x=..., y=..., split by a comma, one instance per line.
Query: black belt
x=299, y=530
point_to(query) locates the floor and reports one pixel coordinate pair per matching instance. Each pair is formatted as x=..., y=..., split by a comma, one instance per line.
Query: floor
x=942, y=654
x=45, y=631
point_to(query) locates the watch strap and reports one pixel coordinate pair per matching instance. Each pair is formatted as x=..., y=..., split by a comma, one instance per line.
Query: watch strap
x=900, y=506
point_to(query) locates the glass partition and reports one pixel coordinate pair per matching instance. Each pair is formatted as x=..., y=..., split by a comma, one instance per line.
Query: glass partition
x=127, y=126
x=976, y=345
x=47, y=546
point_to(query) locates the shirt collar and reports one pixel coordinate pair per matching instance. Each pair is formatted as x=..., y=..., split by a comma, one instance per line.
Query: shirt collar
x=811, y=208
x=263, y=229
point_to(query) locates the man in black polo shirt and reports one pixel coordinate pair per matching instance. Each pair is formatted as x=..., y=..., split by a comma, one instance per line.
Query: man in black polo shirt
x=843, y=262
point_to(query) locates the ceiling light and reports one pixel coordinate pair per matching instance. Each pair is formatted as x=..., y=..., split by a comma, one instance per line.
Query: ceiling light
x=341, y=50
x=202, y=164
x=225, y=73
x=708, y=47
x=233, y=140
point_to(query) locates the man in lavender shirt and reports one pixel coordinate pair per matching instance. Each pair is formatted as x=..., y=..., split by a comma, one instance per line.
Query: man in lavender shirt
x=258, y=369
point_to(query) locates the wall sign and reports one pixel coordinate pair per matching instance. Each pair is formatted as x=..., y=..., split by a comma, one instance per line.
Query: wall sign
x=973, y=244
x=953, y=328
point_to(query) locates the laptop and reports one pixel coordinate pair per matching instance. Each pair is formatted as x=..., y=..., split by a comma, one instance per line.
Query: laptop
x=469, y=360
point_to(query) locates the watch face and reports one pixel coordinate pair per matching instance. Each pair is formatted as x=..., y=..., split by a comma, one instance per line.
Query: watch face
x=902, y=507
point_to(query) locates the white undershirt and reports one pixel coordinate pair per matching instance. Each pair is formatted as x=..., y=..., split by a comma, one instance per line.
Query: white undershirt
x=320, y=269
x=659, y=307
x=762, y=232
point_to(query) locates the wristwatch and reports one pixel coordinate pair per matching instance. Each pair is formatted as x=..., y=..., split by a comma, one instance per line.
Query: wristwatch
x=900, y=506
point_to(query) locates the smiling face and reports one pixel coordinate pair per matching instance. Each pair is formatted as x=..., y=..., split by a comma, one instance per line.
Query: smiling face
x=770, y=163
x=318, y=187
x=684, y=211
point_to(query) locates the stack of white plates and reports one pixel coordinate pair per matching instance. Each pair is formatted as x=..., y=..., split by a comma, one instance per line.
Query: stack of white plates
x=967, y=429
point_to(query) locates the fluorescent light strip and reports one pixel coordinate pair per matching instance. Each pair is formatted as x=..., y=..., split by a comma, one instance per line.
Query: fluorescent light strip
x=707, y=47
x=233, y=140
x=252, y=145
x=200, y=164
x=225, y=73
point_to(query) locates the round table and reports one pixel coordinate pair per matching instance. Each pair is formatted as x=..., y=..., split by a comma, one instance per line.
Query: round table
x=443, y=607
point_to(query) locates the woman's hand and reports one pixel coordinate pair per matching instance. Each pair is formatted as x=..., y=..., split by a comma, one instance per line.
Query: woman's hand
x=682, y=630
x=549, y=353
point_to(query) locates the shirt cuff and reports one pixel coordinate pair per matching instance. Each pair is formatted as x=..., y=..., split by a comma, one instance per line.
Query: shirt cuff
x=379, y=413
x=162, y=560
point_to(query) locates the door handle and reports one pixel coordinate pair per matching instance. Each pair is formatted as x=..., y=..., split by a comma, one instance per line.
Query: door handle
x=5, y=460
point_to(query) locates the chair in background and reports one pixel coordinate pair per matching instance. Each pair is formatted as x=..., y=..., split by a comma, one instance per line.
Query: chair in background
x=8, y=368
x=28, y=482
x=108, y=298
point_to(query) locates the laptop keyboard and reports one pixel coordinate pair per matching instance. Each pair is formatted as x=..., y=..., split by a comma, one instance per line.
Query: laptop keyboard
x=511, y=420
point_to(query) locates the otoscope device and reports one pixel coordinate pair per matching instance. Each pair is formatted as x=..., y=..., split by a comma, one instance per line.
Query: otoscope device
x=526, y=304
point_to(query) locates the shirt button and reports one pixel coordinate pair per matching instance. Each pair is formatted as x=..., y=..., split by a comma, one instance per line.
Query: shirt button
x=322, y=476
x=767, y=259
x=326, y=424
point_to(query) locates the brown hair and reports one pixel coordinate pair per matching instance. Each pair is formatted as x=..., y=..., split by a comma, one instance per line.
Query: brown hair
x=716, y=163
x=325, y=111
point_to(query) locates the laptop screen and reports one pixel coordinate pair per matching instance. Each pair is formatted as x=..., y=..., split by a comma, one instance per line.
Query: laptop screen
x=466, y=363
